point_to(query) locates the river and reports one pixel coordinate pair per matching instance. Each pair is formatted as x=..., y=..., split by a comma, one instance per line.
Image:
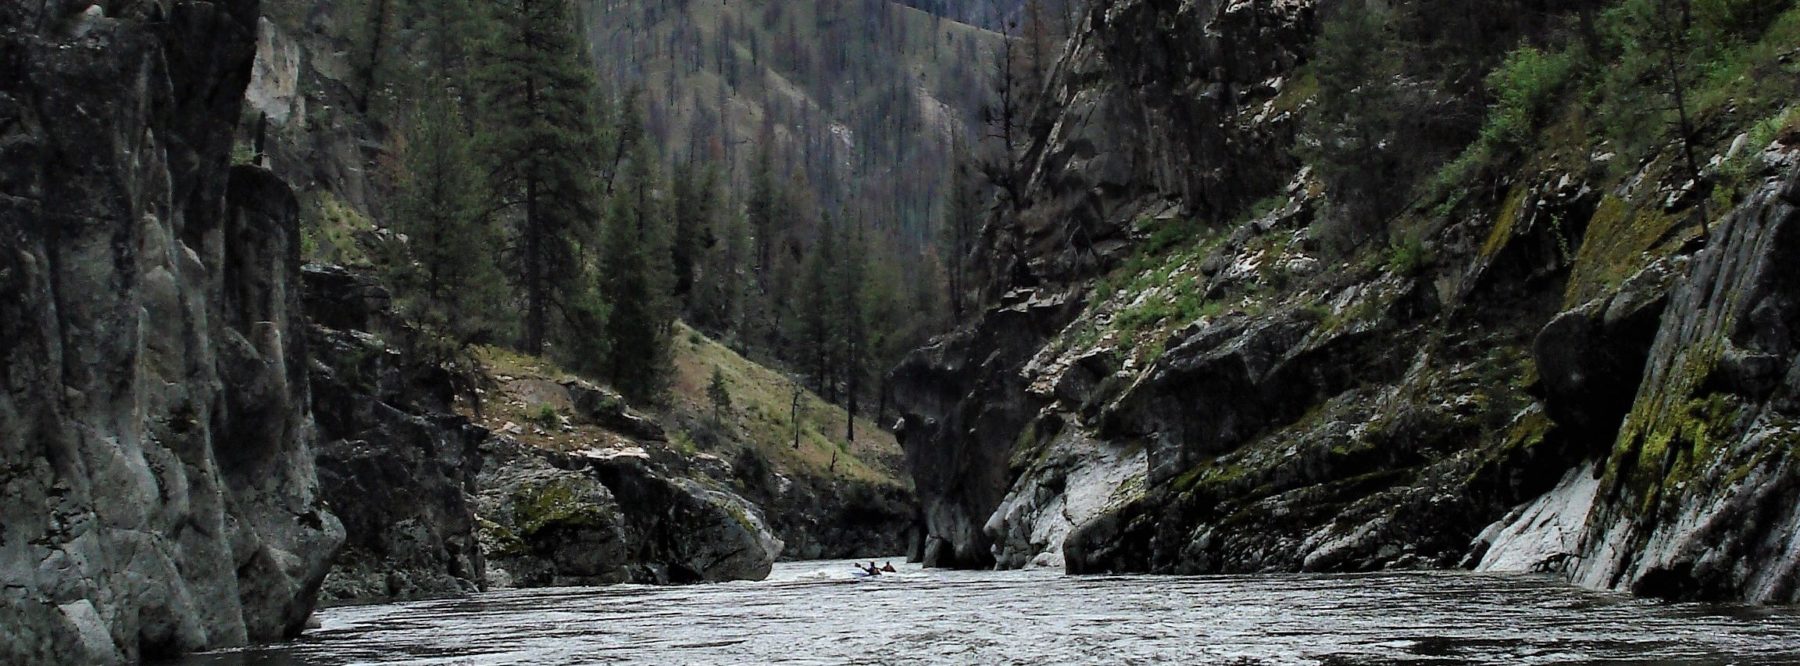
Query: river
x=816, y=613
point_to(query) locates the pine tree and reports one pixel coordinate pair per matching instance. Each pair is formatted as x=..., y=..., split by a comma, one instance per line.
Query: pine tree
x=853, y=301
x=1354, y=127
x=448, y=280
x=762, y=209
x=719, y=395
x=536, y=93
x=718, y=292
x=962, y=216
x=696, y=204
x=635, y=282
x=447, y=29
x=1004, y=118
x=374, y=49
x=1663, y=50
x=819, y=313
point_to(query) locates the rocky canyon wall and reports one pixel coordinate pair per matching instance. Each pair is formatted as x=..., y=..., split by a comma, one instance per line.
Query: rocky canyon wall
x=1562, y=372
x=155, y=436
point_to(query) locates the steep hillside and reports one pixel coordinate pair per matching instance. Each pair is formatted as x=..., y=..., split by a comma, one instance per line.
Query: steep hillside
x=1224, y=350
x=865, y=98
x=466, y=498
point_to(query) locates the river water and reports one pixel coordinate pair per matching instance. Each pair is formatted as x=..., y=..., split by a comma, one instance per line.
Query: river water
x=816, y=613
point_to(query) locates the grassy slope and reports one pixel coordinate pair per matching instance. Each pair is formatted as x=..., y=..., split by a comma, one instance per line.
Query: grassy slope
x=762, y=401
x=760, y=416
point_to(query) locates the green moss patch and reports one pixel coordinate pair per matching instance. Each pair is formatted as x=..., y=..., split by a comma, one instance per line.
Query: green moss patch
x=554, y=504
x=1622, y=238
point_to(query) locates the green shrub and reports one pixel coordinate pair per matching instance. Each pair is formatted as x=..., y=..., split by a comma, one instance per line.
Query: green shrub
x=1735, y=173
x=1408, y=257
x=1170, y=234
x=547, y=416
x=1524, y=87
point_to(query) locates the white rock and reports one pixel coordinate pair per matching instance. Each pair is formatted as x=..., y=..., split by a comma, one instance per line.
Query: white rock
x=1545, y=533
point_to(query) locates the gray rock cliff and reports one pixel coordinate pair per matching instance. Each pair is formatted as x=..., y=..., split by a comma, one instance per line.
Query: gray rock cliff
x=1560, y=374
x=156, y=445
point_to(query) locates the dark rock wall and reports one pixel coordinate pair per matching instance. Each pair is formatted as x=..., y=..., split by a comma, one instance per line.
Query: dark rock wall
x=396, y=463
x=1149, y=109
x=962, y=408
x=156, y=460
x=1357, y=415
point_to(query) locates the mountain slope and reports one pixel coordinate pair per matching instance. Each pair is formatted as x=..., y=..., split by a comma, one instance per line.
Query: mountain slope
x=866, y=98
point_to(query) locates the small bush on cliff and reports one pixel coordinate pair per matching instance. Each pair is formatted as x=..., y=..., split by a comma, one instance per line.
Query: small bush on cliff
x=547, y=416
x=1524, y=88
x=1408, y=257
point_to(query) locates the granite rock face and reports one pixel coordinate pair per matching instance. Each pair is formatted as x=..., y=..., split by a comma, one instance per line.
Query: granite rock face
x=1700, y=494
x=1148, y=114
x=156, y=444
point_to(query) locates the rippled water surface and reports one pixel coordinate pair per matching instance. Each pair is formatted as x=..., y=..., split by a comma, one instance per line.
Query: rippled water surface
x=815, y=613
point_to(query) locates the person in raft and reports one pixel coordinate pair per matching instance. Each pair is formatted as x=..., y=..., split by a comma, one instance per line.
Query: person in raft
x=871, y=570
x=886, y=567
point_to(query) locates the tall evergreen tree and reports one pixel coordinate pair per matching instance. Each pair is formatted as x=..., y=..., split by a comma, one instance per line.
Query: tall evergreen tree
x=762, y=209
x=854, y=304
x=819, y=314
x=536, y=93
x=1354, y=128
x=962, y=217
x=718, y=292
x=635, y=281
x=446, y=31
x=696, y=204
x=449, y=279
x=374, y=51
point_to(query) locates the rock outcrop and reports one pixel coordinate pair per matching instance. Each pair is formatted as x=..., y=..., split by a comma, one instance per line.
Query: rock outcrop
x=611, y=516
x=396, y=463
x=956, y=447
x=1699, y=497
x=156, y=445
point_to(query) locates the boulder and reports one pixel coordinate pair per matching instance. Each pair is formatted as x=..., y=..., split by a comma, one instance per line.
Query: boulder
x=604, y=517
x=607, y=409
x=544, y=525
x=687, y=531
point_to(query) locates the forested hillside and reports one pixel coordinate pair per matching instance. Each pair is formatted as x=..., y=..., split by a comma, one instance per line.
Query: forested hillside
x=786, y=165
x=996, y=15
